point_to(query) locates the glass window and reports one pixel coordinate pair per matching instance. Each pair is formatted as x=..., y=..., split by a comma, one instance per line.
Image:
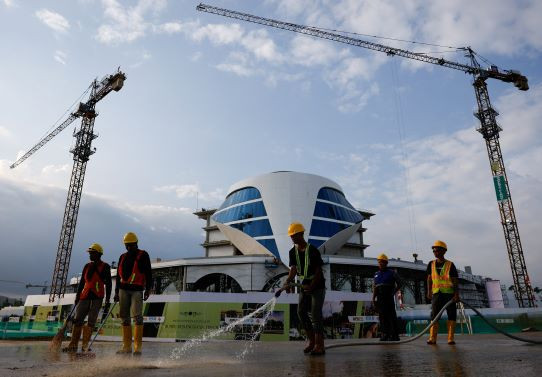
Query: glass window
x=256, y=228
x=270, y=245
x=245, y=211
x=240, y=196
x=332, y=195
x=321, y=228
x=316, y=243
x=331, y=211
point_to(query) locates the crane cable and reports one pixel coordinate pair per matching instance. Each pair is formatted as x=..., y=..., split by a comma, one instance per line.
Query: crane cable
x=66, y=112
x=401, y=130
x=435, y=320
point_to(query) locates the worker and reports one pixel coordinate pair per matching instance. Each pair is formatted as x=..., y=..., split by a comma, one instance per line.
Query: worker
x=95, y=284
x=442, y=286
x=386, y=284
x=306, y=262
x=133, y=286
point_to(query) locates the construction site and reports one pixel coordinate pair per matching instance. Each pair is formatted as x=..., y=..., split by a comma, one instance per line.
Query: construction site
x=222, y=312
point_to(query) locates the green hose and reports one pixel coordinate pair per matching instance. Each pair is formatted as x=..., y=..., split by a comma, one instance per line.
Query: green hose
x=437, y=317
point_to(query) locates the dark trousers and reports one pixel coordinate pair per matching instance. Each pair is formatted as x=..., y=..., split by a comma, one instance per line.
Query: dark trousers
x=387, y=316
x=438, y=301
x=309, y=310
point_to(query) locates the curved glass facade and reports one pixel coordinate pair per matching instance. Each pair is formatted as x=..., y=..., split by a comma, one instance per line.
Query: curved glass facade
x=241, y=216
x=332, y=195
x=258, y=228
x=332, y=217
x=241, y=196
x=241, y=212
x=321, y=228
x=330, y=211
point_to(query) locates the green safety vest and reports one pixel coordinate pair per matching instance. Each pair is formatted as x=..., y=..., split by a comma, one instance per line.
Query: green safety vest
x=442, y=282
x=306, y=266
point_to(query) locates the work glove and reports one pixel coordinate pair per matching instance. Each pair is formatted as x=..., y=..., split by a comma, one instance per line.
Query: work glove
x=146, y=295
x=116, y=297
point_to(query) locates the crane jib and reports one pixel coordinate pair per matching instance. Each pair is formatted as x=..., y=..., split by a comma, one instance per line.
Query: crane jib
x=508, y=76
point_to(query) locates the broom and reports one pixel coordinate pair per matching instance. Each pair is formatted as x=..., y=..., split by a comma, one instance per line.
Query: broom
x=56, y=343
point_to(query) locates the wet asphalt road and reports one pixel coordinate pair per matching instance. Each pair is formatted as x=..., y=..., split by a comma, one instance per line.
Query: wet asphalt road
x=474, y=355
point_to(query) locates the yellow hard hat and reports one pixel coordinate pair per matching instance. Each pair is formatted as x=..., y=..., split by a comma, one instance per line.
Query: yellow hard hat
x=382, y=257
x=295, y=228
x=130, y=238
x=439, y=243
x=96, y=247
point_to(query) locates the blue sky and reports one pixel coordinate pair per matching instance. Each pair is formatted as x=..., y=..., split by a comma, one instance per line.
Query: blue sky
x=209, y=101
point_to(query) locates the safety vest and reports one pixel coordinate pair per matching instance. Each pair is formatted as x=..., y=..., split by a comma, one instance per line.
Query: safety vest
x=305, y=274
x=93, y=281
x=136, y=277
x=442, y=282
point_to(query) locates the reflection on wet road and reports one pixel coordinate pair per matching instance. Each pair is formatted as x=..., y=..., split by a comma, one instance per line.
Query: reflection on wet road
x=478, y=355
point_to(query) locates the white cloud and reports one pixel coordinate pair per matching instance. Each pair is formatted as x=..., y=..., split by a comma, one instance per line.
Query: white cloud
x=169, y=28
x=60, y=57
x=218, y=34
x=55, y=21
x=9, y=3
x=309, y=51
x=126, y=24
x=263, y=47
x=4, y=133
x=53, y=169
x=192, y=190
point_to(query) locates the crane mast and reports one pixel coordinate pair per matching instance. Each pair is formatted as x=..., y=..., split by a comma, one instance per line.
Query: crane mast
x=81, y=154
x=486, y=115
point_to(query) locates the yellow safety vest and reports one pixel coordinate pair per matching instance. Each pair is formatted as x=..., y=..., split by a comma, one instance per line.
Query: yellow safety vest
x=305, y=274
x=442, y=282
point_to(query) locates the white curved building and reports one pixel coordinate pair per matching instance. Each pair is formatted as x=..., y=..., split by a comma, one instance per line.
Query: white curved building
x=257, y=211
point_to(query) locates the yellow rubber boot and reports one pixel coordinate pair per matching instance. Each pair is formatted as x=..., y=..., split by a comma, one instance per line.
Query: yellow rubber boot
x=433, y=331
x=126, y=340
x=76, y=334
x=87, y=332
x=451, y=331
x=138, y=339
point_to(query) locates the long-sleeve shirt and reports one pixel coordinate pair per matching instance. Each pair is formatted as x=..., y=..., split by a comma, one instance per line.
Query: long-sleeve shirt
x=144, y=265
x=105, y=276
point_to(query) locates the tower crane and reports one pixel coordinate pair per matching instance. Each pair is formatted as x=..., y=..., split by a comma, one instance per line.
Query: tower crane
x=485, y=114
x=81, y=154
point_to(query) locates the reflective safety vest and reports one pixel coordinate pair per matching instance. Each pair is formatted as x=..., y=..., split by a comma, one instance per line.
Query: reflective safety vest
x=305, y=274
x=442, y=282
x=93, y=281
x=136, y=277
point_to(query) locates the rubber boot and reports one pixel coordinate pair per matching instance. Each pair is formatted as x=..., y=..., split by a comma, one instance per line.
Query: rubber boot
x=319, y=345
x=87, y=332
x=451, y=331
x=74, y=343
x=433, y=334
x=138, y=339
x=126, y=340
x=312, y=341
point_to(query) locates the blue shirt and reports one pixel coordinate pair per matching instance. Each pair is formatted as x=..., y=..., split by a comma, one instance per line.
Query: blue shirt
x=385, y=281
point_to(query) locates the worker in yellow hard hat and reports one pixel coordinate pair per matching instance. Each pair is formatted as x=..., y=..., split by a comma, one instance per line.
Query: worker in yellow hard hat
x=442, y=286
x=386, y=284
x=94, y=286
x=133, y=286
x=306, y=263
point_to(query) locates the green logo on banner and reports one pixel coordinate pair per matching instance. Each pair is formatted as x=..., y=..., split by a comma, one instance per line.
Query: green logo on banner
x=500, y=188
